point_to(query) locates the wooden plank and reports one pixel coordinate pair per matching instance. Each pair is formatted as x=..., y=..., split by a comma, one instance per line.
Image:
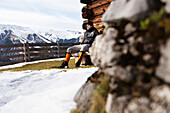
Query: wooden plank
x=43, y=54
x=97, y=18
x=64, y=47
x=68, y=44
x=85, y=1
x=42, y=58
x=42, y=44
x=58, y=44
x=43, y=49
x=100, y=10
x=11, y=51
x=99, y=3
x=62, y=55
x=11, y=56
x=27, y=52
x=10, y=45
x=62, y=52
x=11, y=62
x=87, y=13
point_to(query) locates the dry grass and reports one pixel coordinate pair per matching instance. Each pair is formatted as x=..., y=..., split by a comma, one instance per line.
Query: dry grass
x=75, y=111
x=100, y=95
x=43, y=65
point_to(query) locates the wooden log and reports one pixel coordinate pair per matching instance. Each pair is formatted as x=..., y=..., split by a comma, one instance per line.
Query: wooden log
x=58, y=45
x=43, y=49
x=11, y=51
x=63, y=47
x=68, y=44
x=100, y=10
x=25, y=52
x=11, y=62
x=42, y=44
x=42, y=54
x=42, y=58
x=11, y=56
x=28, y=52
x=87, y=13
x=99, y=3
x=10, y=45
x=97, y=19
x=86, y=1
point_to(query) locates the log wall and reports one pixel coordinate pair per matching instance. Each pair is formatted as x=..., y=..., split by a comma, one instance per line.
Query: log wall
x=94, y=10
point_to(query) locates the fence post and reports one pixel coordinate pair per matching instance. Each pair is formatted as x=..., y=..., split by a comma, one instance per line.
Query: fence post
x=26, y=52
x=58, y=45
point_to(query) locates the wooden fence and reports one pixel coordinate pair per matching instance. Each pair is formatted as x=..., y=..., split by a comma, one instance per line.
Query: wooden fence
x=16, y=53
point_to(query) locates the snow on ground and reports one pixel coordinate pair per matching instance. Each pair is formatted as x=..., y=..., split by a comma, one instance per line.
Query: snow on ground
x=41, y=91
x=25, y=63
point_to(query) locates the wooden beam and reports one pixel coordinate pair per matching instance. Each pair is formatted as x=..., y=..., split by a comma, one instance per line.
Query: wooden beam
x=100, y=10
x=11, y=62
x=97, y=18
x=42, y=44
x=10, y=45
x=87, y=1
x=99, y=3
x=11, y=51
x=87, y=13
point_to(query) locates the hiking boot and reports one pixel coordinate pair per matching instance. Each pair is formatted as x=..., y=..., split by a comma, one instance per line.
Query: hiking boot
x=80, y=59
x=63, y=65
x=77, y=64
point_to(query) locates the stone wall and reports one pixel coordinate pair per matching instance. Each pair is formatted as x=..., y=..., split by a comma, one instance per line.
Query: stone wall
x=134, y=54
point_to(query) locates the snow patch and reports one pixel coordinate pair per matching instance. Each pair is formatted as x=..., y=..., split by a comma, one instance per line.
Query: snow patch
x=43, y=91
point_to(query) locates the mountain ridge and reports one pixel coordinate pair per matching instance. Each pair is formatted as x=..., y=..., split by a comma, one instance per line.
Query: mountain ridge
x=12, y=34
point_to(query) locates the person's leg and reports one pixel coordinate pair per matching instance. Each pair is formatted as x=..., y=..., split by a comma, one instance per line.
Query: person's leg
x=70, y=50
x=74, y=49
x=65, y=62
x=82, y=53
x=84, y=48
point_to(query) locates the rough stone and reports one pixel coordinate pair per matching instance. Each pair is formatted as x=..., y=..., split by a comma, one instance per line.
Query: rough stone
x=132, y=10
x=101, y=51
x=157, y=108
x=161, y=95
x=163, y=69
x=116, y=104
x=138, y=105
x=130, y=56
x=129, y=28
x=167, y=6
x=120, y=72
x=84, y=95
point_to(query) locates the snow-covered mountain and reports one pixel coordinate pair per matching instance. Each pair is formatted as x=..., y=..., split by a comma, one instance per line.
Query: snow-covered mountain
x=11, y=34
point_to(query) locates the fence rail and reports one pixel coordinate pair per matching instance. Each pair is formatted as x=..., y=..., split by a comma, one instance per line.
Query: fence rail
x=26, y=52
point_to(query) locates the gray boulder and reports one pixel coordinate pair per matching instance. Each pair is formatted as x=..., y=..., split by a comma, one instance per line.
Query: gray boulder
x=163, y=69
x=161, y=97
x=102, y=53
x=84, y=95
x=116, y=104
x=167, y=7
x=132, y=10
x=138, y=105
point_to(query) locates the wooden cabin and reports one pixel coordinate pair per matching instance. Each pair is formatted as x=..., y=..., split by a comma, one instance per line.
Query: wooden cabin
x=94, y=10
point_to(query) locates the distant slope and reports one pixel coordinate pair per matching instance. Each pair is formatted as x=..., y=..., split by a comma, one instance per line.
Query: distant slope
x=11, y=34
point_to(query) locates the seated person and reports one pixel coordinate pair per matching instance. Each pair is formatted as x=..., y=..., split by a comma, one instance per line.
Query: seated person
x=89, y=37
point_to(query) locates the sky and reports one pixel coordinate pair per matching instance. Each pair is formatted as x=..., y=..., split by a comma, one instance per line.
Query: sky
x=42, y=14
